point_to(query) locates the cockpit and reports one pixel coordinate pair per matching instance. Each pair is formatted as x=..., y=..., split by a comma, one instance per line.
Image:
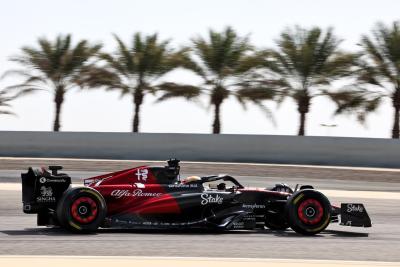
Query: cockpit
x=215, y=182
x=170, y=174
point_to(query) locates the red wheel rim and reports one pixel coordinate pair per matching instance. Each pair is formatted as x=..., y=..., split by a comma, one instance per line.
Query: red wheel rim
x=84, y=210
x=310, y=211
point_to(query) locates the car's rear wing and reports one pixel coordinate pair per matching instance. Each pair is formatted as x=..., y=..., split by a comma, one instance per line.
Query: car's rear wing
x=41, y=189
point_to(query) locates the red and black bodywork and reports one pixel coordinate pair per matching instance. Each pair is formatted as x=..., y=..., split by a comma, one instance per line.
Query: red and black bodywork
x=156, y=197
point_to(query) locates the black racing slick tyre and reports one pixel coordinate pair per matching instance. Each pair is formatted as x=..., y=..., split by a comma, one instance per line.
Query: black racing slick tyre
x=81, y=210
x=308, y=212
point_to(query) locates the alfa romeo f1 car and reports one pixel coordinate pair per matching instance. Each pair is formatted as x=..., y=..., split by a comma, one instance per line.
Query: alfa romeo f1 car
x=156, y=197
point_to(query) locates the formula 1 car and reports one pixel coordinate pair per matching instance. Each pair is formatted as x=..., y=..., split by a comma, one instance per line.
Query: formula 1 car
x=156, y=197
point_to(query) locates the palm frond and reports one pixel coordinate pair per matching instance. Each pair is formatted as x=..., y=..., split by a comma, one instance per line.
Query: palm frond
x=23, y=87
x=357, y=101
x=124, y=54
x=6, y=97
x=222, y=53
x=172, y=90
x=7, y=112
x=257, y=97
x=95, y=77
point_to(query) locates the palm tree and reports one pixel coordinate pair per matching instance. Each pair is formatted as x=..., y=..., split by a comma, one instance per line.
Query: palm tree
x=378, y=76
x=54, y=66
x=305, y=64
x=135, y=70
x=225, y=62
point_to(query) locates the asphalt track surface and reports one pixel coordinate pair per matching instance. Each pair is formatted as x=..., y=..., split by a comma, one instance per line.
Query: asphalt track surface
x=20, y=236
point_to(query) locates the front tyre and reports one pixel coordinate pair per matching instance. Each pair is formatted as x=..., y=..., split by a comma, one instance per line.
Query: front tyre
x=308, y=212
x=81, y=210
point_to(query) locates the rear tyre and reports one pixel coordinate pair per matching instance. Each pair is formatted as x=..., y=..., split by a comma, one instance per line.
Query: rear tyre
x=308, y=212
x=81, y=210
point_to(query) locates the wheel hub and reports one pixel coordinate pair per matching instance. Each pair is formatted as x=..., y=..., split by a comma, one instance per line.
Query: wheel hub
x=84, y=210
x=310, y=211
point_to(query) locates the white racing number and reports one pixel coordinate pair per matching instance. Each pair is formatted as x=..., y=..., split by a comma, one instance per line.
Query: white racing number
x=142, y=174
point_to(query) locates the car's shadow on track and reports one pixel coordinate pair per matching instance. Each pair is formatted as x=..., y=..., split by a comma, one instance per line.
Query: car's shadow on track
x=326, y=233
x=37, y=232
x=288, y=233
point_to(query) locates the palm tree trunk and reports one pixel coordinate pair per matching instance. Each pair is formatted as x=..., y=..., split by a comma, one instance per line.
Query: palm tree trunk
x=58, y=100
x=303, y=107
x=396, y=106
x=137, y=102
x=302, y=124
x=396, y=130
x=136, y=119
x=217, y=120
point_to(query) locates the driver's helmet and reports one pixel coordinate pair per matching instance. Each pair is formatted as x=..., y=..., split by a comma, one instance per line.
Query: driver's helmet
x=191, y=179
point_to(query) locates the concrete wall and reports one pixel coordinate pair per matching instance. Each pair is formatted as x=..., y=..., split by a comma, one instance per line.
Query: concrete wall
x=204, y=147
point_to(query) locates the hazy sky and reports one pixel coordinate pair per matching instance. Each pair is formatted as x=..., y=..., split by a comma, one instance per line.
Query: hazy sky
x=22, y=22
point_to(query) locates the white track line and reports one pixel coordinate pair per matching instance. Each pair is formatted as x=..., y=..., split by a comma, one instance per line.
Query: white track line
x=100, y=261
x=10, y=186
x=362, y=194
x=215, y=163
